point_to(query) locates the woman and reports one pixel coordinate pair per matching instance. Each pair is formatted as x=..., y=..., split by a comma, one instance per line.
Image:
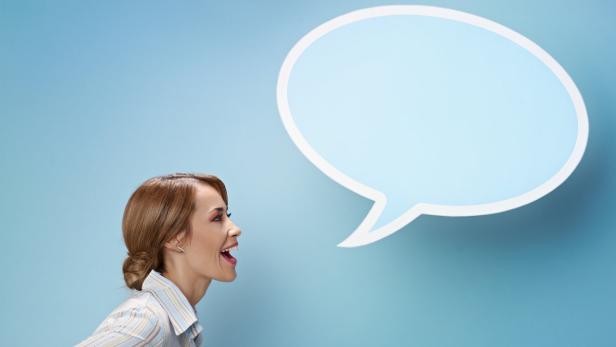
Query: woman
x=179, y=238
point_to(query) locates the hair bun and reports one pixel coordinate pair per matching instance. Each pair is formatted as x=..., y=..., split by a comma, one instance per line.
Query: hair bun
x=136, y=267
x=139, y=256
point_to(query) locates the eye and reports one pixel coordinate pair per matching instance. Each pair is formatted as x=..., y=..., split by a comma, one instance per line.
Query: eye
x=218, y=218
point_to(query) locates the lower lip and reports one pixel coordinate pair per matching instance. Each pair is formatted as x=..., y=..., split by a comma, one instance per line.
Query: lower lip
x=229, y=259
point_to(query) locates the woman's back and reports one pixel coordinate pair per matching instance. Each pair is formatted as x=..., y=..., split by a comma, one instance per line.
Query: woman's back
x=158, y=315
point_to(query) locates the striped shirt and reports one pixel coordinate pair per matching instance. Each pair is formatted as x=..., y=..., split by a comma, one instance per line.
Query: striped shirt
x=158, y=315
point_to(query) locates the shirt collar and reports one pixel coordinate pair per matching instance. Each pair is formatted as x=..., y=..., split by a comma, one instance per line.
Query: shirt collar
x=181, y=313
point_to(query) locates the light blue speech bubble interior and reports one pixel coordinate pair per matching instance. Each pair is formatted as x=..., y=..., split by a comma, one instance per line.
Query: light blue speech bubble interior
x=429, y=110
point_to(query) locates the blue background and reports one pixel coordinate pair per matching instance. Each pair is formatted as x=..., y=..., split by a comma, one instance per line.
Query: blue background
x=97, y=96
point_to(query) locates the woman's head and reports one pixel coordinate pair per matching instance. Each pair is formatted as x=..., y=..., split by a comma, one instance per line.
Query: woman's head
x=180, y=220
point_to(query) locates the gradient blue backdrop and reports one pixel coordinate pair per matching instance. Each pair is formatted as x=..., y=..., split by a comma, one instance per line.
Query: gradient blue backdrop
x=97, y=96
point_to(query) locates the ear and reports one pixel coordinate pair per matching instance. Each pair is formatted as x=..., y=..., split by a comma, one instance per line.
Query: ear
x=177, y=240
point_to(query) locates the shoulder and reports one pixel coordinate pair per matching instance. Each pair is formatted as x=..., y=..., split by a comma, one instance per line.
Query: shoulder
x=136, y=322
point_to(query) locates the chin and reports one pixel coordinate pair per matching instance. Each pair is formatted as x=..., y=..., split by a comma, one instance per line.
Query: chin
x=228, y=278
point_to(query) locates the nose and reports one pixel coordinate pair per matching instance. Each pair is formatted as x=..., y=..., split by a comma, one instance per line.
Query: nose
x=235, y=231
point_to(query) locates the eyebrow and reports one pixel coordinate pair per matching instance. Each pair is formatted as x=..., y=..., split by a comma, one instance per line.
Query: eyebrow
x=219, y=209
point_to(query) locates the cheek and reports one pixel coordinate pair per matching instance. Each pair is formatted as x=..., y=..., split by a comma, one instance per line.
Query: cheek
x=205, y=246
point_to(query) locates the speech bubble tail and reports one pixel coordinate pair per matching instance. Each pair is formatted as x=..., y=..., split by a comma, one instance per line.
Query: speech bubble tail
x=364, y=234
x=357, y=239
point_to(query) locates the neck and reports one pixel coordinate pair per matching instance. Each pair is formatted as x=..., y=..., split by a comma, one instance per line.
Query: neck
x=192, y=286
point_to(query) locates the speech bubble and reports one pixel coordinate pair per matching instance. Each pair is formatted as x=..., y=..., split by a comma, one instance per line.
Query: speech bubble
x=428, y=110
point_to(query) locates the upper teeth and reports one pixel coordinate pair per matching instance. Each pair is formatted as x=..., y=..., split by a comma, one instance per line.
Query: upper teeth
x=230, y=248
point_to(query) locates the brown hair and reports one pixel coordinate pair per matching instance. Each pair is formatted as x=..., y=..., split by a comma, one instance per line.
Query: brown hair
x=155, y=213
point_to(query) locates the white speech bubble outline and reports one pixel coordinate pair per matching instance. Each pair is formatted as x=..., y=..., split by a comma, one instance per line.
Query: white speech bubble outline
x=362, y=235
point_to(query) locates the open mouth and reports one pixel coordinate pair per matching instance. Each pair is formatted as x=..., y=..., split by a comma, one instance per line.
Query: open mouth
x=226, y=254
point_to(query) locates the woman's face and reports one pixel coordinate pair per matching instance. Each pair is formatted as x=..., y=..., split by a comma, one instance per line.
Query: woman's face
x=212, y=232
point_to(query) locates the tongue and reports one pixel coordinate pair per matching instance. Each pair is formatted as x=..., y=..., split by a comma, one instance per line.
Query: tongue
x=228, y=257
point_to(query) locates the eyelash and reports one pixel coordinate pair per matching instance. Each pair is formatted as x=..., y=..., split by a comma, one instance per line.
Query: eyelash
x=216, y=219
